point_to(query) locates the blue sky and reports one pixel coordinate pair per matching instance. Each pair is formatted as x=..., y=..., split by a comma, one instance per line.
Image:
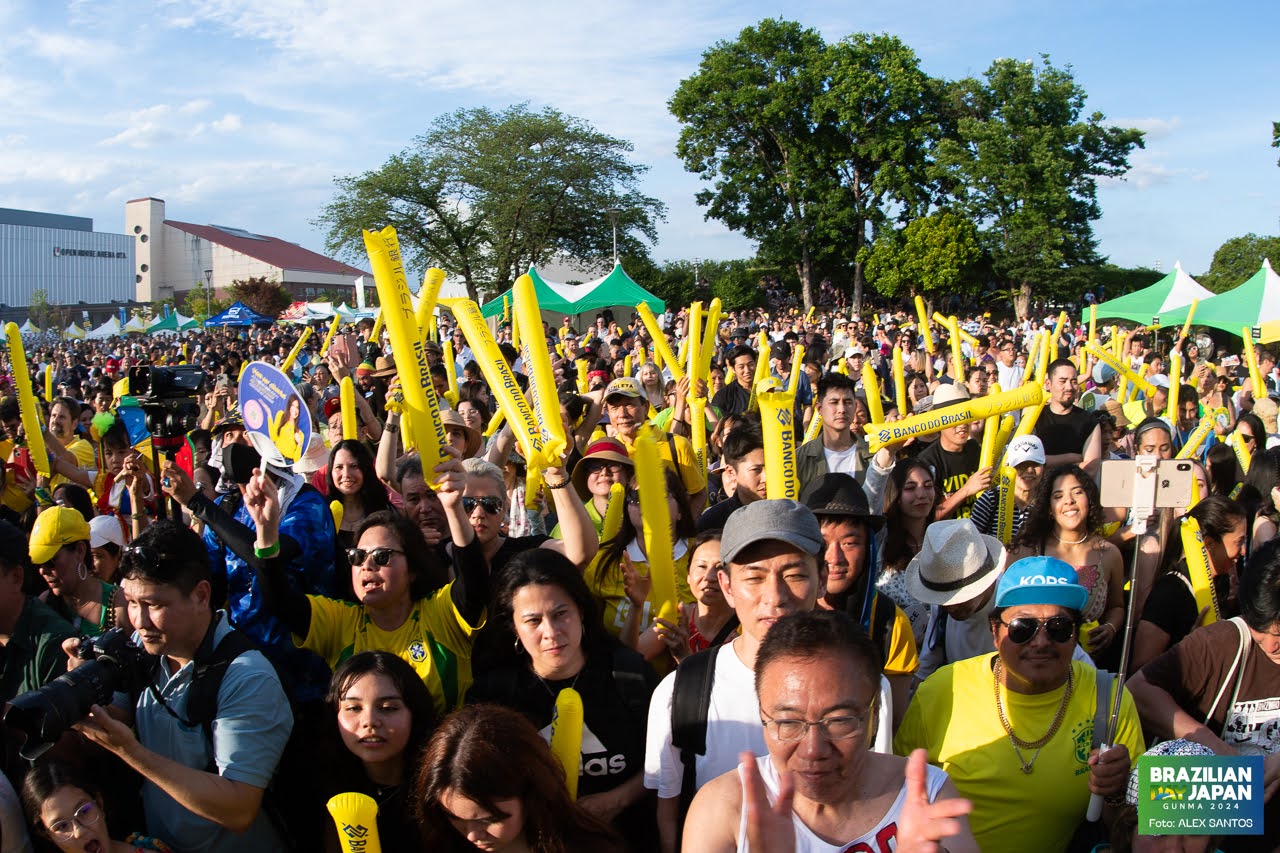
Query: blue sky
x=241, y=113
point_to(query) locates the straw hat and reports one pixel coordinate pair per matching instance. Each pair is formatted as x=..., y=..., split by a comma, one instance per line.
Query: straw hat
x=452, y=419
x=604, y=448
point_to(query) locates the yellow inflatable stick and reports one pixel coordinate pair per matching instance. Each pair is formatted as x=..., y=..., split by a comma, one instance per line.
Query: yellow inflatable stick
x=420, y=403
x=48, y=383
x=626, y=365
x=842, y=367
x=1243, y=454
x=495, y=423
x=1004, y=504
x=428, y=296
x=651, y=482
x=1175, y=387
x=814, y=430
x=335, y=507
x=533, y=481
x=660, y=347
x=566, y=736
x=1058, y=329
x=924, y=325
x=777, y=418
x=870, y=387
x=1002, y=436
x=657, y=358
x=31, y=424
x=542, y=382
x=808, y=318
x=957, y=354
x=376, y=335
x=797, y=365
x=1030, y=415
x=899, y=382
x=681, y=352
x=357, y=818
x=515, y=333
x=1191, y=313
x=1117, y=342
x=1191, y=447
x=710, y=338
x=185, y=354
x=347, y=398
x=943, y=321
x=240, y=375
x=506, y=308
x=1198, y=568
x=328, y=339
x=990, y=432
x=762, y=369
x=1042, y=359
x=613, y=514
x=1033, y=356
x=297, y=349
x=1093, y=325
x=979, y=408
x=698, y=428
x=406, y=431
x=1139, y=382
x=512, y=404
x=1251, y=362
x=581, y=365
x=693, y=334
x=451, y=371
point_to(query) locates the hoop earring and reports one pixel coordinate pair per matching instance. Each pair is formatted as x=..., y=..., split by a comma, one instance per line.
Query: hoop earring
x=83, y=572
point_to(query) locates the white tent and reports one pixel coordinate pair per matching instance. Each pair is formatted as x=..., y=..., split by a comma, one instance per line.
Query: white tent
x=109, y=329
x=28, y=328
x=136, y=325
x=73, y=331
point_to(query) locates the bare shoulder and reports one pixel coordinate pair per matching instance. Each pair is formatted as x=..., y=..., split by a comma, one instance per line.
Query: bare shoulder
x=1105, y=549
x=714, y=816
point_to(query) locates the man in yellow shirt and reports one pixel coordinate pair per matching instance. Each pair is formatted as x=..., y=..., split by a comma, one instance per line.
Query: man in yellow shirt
x=628, y=411
x=70, y=457
x=1015, y=729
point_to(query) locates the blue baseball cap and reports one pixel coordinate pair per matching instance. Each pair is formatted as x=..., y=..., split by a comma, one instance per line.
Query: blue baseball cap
x=1041, y=580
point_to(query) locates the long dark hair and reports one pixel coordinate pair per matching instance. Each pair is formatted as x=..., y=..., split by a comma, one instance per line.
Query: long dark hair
x=473, y=753
x=1038, y=525
x=1216, y=515
x=412, y=689
x=427, y=573
x=1263, y=476
x=372, y=495
x=897, y=550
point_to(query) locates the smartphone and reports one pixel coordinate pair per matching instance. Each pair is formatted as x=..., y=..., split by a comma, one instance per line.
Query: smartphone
x=22, y=462
x=1120, y=478
x=224, y=380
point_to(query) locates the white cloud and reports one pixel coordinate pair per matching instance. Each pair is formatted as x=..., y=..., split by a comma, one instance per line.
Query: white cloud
x=229, y=123
x=60, y=47
x=1154, y=128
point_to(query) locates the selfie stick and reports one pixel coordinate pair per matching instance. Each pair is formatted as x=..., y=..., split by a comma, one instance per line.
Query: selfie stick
x=1144, y=505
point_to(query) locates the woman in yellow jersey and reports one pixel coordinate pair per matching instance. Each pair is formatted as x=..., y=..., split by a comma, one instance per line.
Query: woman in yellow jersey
x=404, y=603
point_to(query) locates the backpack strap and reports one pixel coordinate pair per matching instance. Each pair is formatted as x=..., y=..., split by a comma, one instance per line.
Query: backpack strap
x=630, y=684
x=1102, y=711
x=690, y=706
x=726, y=632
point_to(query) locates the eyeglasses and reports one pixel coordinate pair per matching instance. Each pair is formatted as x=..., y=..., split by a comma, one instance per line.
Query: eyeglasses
x=146, y=554
x=832, y=728
x=380, y=556
x=492, y=506
x=1023, y=630
x=86, y=816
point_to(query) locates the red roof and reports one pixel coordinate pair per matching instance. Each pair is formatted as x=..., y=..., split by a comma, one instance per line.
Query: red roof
x=269, y=250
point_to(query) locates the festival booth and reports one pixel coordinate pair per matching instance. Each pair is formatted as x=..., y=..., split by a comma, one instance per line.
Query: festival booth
x=74, y=332
x=1256, y=302
x=172, y=324
x=29, y=328
x=109, y=329
x=136, y=325
x=1175, y=291
x=239, y=314
x=616, y=291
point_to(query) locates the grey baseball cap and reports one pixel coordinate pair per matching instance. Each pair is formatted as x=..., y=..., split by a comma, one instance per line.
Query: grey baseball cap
x=778, y=520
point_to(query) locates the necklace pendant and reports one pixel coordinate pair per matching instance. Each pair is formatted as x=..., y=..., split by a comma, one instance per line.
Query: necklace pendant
x=1026, y=768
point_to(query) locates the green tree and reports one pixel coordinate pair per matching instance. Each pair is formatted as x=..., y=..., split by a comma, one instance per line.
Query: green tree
x=1275, y=136
x=198, y=305
x=933, y=255
x=1238, y=259
x=1023, y=163
x=38, y=307
x=486, y=194
x=263, y=295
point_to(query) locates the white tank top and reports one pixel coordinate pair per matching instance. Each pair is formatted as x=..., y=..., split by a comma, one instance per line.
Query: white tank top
x=880, y=839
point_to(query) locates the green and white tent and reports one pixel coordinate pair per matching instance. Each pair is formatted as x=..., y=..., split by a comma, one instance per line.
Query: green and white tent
x=617, y=290
x=1256, y=302
x=1175, y=291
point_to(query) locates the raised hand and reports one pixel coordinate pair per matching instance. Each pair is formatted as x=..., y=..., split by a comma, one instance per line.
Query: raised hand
x=922, y=825
x=262, y=502
x=769, y=826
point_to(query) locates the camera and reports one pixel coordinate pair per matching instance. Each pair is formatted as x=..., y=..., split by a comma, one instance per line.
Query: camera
x=113, y=664
x=168, y=397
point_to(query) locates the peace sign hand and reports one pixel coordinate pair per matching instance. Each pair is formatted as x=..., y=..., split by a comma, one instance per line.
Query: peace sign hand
x=769, y=825
x=922, y=825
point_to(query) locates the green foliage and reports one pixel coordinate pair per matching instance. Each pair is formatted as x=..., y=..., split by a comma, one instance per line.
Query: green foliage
x=486, y=194
x=197, y=304
x=1121, y=280
x=38, y=307
x=933, y=255
x=263, y=295
x=1238, y=259
x=1275, y=136
x=1023, y=163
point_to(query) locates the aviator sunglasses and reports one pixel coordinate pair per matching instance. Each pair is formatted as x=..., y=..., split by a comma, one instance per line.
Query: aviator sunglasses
x=491, y=505
x=1059, y=629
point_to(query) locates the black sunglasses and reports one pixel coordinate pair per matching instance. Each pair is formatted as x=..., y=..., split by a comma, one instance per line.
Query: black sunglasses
x=146, y=554
x=492, y=506
x=380, y=556
x=1059, y=629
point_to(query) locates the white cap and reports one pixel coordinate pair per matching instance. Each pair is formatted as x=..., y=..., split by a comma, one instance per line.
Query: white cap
x=104, y=529
x=1024, y=448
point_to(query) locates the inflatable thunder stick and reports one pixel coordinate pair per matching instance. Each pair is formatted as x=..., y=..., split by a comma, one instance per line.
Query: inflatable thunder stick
x=814, y=430
x=335, y=507
x=762, y=369
x=1030, y=415
x=495, y=424
x=979, y=408
x=1004, y=504
x=797, y=365
x=640, y=355
x=506, y=308
x=651, y=482
x=451, y=371
x=328, y=339
x=533, y=481
x=1175, y=387
x=428, y=296
x=515, y=334
x=1093, y=324
x=580, y=365
x=297, y=349
x=808, y=318
x=1002, y=436
x=924, y=325
x=542, y=382
x=357, y=818
x=1139, y=382
x=777, y=418
x=957, y=354
x=1191, y=313
x=376, y=335
x=1198, y=568
x=566, y=736
x=1243, y=454
x=870, y=387
x=347, y=398
x=420, y=403
x=1251, y=362
x=512, y=404
x=698, y=426
x=1042, y=359
x=710, y=337
x=31, y=424
x=899, y=382
x=613, y=514
x=990, y=432
x=660, y=346
x=1191, y=446
x=693, y=334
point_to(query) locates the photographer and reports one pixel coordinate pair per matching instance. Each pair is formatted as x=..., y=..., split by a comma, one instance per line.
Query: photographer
x=203, y=784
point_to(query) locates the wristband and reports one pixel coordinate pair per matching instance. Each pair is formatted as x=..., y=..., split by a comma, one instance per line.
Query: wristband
x=266, y=553
x=560, y=485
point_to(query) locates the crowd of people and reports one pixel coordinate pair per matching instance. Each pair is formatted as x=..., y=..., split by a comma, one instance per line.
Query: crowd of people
x=912, y=654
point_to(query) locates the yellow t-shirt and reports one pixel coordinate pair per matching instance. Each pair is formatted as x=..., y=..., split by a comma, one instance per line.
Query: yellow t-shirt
x=610, y=591
x=685, y=462
x=83, y=451
x=901, y=658
x=953, y=716
x=14, y=498
x=435, y=640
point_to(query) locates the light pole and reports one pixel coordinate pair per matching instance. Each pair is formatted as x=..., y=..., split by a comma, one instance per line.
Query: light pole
x=208, y=294
x=613, y=217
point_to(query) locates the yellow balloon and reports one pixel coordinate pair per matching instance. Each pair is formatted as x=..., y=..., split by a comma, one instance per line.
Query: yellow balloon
x=710, y=337
x=581, y=365
x=533, y=481
x=651, y=482
x=566, y=736
x=1251, y=362
x=1175, y=387
x=1004, y=504
x=1192, y=445
x=924, y=324
x=356, y=816
x=979, y=408
x=814, y=430
x=336, y=508
x=899, y=382
x=1243, y=454
x=660, y=347
x=495, y=423
x=1198, y=568
x=698, y=427
x=797, y=365
x=613, y=514
x=693, y=334
x=777, y=418
x=870, y=387
x=1191, y=313
x=428, y=296
x=1140, y=382
x=328, y=339
x=542, y=384
x=990, y=432
x=31, y=424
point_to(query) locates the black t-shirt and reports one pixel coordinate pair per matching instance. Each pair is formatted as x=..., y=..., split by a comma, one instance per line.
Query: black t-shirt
x=952, y=470
x=1171, y=605
x=715, y=517
x=732, y=399
x=1064, y=433
x=511, y=547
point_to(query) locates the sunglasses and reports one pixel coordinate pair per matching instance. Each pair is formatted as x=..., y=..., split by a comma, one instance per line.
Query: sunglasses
x=1023, y=630
x=146, y=554
x=492, y=506
x=380, y=556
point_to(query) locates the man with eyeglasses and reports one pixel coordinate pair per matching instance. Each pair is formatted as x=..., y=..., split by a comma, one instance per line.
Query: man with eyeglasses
x=1008, y=373
x=819, y=783
x=1018, y=730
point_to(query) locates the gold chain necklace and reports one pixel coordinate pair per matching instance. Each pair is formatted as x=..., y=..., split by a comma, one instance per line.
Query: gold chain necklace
x=1017, y=742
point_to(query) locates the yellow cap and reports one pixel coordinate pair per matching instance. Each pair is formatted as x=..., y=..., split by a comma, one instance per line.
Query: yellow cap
x=54, y=528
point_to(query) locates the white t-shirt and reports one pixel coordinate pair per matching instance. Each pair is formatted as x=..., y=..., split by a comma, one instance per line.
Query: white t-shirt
x=843, y=461
x=882, y=838
x=733, y=725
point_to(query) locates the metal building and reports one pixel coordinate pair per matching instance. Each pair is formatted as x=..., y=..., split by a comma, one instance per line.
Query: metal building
x=65, y=257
